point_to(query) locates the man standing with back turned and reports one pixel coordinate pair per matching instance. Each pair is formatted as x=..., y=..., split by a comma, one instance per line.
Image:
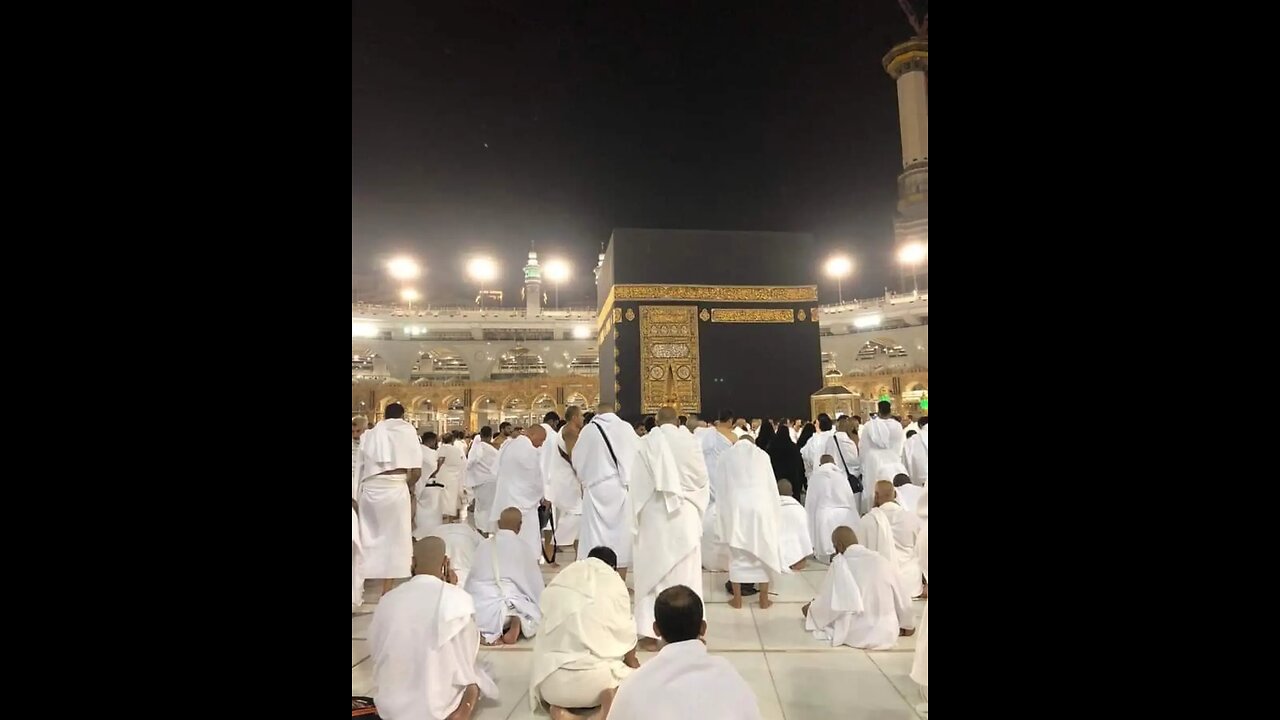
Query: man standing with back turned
x=669, y=493
x=389, y=463
x=603, y=459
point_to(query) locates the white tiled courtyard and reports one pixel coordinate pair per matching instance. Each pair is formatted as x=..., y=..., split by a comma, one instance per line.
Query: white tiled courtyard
x=794, y=676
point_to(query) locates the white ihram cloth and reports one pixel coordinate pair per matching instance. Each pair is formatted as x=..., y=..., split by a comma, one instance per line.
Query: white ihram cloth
x=386, y=527
x=916, y=454
x=909, y=496
x=520, y=487
x=669, y=493
x=504, y=582
x=606, y=509
x=482, y=478
x=748, y=514
x=563, y=489
x=861, y=603
x=424, y=644
x=357, y=580
x=355, y=481
x=891, y=531
x=684, y=681
x=794, y=541
x=840, y=444
x=429, y=513
x=795, y=434
x=450, y=476
x=829, y=504
x=813, y=450
x=543, y=462
x=881, y=444
x=715, y=551
x=586, y=625
x=920, y=663
x=460, y=543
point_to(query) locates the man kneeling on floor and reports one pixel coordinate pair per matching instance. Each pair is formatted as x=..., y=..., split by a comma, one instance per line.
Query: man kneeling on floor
x=683, y=681
x=506, y=584
x=424, y=642
x=861, y=603
x=586, y=643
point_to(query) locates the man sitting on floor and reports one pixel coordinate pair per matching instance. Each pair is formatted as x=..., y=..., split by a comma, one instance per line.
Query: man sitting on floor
x=424, y=642
x=794, y=543
x=891, y=531
x=506, y=584
x=683, y=681
x=861, y=603
x=586, y=643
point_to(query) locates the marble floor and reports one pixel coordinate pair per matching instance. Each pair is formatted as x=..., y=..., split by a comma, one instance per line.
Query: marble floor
x=794, y=676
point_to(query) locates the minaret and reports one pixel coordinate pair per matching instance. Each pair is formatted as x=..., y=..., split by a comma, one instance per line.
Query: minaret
x=908, y=65
x=532, y=286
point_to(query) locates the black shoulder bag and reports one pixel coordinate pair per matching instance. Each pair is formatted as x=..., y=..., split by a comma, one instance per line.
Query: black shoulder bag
x=855, y=481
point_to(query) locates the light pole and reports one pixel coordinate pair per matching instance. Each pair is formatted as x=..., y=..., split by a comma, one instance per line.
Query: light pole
x=403, y=269
x=557, y=272
x=839, y=267
x=482, y=269
x=914, y=253
x=409, y=295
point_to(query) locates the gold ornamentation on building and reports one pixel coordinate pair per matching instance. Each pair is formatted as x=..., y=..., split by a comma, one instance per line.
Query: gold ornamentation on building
x=669, y=350
x=669, y=332
x=617, y=315
x=752, y=315
x=604, y=335
x=631, y=315
x=704, y=315
x=716, y=293
x=813, y=315
x=801, y=316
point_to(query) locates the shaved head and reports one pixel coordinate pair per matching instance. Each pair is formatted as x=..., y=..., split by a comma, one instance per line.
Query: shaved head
x=901, y=479
x=428, y=556
x=511, y=519
x=843, y=537
x=826, y=460
x=667, y=416
x=884, y=492
x=603, y=408
x=537, y=435
x=784, y=487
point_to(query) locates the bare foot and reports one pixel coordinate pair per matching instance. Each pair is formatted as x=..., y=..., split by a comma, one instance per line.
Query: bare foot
x=511, y=636
x=648, y=644
x=468, y=704
x=735, y=602
x=800, y=565
x=606, y=702
x=765, y=602
x=559, y=713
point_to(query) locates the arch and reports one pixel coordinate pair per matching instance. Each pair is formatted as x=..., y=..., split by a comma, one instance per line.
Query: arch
x=423, y=410
x=543, y=404
x=578, y=399
x=516, y=409
x=454, y=412
x=485, y=411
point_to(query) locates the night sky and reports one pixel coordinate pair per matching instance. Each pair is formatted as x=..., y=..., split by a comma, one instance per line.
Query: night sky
x=482, y=126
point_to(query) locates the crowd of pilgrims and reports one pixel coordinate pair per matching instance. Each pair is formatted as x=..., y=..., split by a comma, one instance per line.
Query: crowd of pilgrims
x=456, y=528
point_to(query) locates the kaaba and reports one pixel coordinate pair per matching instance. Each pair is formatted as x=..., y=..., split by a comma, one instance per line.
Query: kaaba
x=712, y=320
